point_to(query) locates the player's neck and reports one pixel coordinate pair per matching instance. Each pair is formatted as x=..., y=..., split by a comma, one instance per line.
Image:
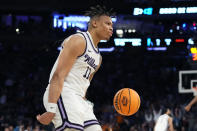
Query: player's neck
x=95, y=39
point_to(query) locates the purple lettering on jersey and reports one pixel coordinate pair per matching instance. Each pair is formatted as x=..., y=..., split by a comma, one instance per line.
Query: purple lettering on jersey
x=90, y=61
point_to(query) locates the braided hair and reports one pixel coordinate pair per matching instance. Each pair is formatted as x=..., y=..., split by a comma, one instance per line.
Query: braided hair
x=98, y=11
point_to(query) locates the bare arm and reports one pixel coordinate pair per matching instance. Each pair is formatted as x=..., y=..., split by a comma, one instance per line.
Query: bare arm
x=73, y=47
x=193, y=101
x=171, y=128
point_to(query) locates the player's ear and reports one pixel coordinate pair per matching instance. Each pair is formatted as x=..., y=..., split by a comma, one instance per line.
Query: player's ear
x=94, y=23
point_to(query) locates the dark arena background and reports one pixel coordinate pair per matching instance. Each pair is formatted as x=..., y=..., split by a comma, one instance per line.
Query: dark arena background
x=153, y=42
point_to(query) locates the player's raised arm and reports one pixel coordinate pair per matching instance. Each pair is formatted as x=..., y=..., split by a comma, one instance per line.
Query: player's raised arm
x=193, y=101
x=73, y=47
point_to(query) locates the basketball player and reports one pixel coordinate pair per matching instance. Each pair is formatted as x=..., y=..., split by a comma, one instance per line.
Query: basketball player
x=164, y=122
x=192, y=102
x=79, y=59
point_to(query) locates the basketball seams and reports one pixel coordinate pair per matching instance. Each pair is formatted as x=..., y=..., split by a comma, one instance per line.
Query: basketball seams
x=129, y=101
x=116, y=104
x=119, y=101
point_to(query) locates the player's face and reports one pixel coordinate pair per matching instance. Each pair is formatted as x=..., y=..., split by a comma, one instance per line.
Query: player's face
x=105, y=27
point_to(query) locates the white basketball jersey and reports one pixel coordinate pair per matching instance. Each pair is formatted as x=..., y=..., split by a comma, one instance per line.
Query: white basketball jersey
x=162, y=123
x=86, y=64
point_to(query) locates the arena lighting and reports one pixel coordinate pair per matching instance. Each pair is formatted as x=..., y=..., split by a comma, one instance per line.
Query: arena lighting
x=100, y=49
x=64, y=26
x=62, y=21
x=194, y=56
x=179, y=10
x=158, y=41
x=156, y=48
x=168, y=41
x=103, y=41
x=184, y=25
x=119, y=32
x=178, y=28
x=107, y=49
x=193, y=50
x=17, y=29
x=140, y=11
x=167, y=10
x=133, y=41
x=194, y=23
x=54, y=22
x=59, y=23
x=80, y=25
x=149, y=42
x=191, y=10
x=59, y=48
x=171, y=10
x=179, y=40
x=75, y=18
x=190, y=41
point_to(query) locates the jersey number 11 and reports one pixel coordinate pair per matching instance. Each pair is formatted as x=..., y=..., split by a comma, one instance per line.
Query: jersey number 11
x=87, y=73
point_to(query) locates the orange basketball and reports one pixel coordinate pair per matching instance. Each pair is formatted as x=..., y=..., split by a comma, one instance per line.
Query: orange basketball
x=126, y=101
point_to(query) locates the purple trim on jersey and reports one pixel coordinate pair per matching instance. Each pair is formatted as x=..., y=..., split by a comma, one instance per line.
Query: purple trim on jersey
x=92, y=44
x=91, y=122
x=65, y=122
x=86, y=45
x=62, y=110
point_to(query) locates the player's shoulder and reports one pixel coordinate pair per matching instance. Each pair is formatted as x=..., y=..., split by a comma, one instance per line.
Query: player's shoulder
x=74, y=40
x=78, y=37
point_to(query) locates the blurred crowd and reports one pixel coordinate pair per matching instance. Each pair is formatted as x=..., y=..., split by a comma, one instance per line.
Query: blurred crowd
x=27, y=57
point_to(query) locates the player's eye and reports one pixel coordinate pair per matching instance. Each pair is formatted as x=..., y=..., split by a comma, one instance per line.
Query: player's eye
x=108, y=23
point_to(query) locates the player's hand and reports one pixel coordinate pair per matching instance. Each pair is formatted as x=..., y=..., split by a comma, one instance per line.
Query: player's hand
x=187, y=108
x=45, y=118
